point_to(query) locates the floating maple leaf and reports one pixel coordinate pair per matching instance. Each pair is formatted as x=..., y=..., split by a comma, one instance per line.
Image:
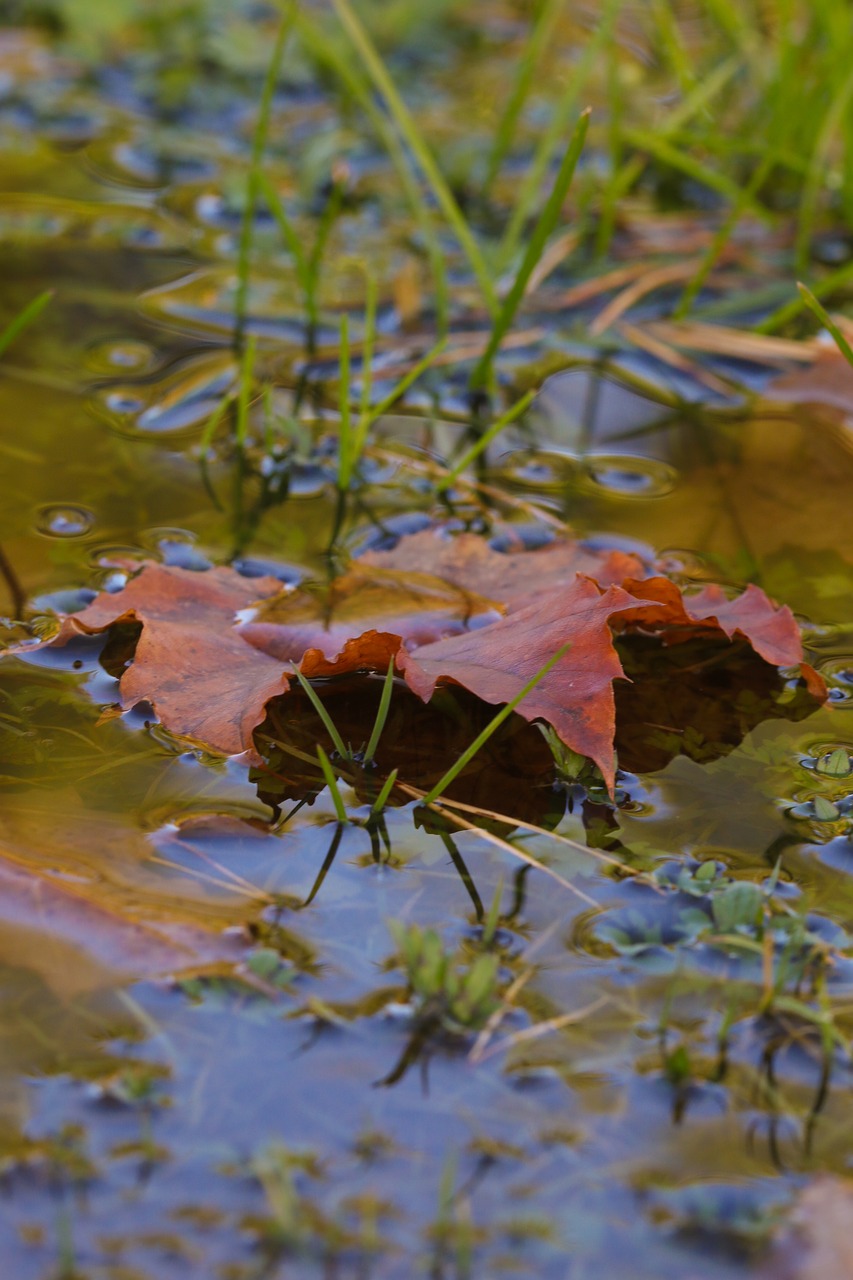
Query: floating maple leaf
x=215, y=647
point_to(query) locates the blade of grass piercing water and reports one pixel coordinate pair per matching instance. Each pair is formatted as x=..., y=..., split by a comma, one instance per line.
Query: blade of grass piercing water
x=485, y=440
x=494, y=724
x=332, y=784
x=244, y=392
x=381, y=714
x=399, y=389
x=328, y=722
x=382, y=799
x=368, y=345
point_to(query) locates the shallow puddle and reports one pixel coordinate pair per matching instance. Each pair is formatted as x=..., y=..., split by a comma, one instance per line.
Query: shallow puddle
x=208, y=1064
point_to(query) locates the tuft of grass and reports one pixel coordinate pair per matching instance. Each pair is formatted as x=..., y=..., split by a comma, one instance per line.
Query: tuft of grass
x=459, y=997
x=405, y=123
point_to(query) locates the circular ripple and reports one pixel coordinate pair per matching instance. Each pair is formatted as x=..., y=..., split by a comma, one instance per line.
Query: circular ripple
x=838, y=674
x=121, y=357
x=629, y=477
x=64, y=520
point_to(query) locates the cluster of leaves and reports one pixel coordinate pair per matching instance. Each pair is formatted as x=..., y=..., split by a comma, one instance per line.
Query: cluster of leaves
x=531, y=625
x=779, y=945
x=457, y=997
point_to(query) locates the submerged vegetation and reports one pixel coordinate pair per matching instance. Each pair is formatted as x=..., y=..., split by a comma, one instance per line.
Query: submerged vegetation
x=337, y=338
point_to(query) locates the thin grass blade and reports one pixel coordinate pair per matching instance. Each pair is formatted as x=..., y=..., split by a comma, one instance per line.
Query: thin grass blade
x=259, y=142
x=387, y=787
x=404, y=121
x=540, y=38
x=346, y=459
x=381, y=714
x=485, y=440
x=332, y=784
x=24, y=318
x=493, y=725
x=328, y=722
x=826, y=319
x=545, y=225
x=324, y=51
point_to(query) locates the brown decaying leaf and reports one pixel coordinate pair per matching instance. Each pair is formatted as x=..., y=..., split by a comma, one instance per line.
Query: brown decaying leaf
x=514, y=578
x=575, y=697
x=191, y=663
x=827, y=381
x=772, y=631
x=415, y=605
x=434, y=605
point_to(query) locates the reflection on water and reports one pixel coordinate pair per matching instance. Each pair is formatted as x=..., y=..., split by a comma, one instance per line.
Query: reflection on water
x=225, y=1120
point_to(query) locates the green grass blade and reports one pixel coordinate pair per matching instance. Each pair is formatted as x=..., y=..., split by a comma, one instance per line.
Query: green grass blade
x=669, y=154
x=494, y=724
x=540, y=38
x=721, y=239
x=485, y=440
x=288, y=232
x=244, y=390
x=207, y=440
x=399, y=389
x=378, y=73
x=24, y=318
x=328, y=722
x=387, y=787
x=315, y=259
x=345, y=441
x=565, y=108
x=817, y=309
x=322, y=49
x=545, y=225
x=490, y=924
x=368, y=343
x=332, y=784
x=381, y=714
x=837, y=115
x=259, y=142
x=790, y=310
